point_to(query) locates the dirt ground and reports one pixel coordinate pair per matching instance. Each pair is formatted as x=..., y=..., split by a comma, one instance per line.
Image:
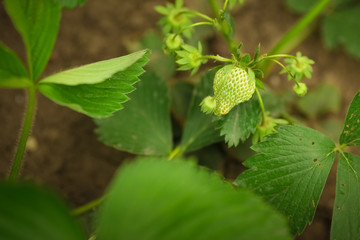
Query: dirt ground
x=64, y=152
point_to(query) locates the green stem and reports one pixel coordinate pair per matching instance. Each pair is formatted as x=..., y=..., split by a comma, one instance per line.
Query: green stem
x=216, y=10
x=261, y=104
x=199, y=14
x=16, y=165
x=88, y=206
x=297, y=33
x=174, y=153
x=217, y=58
x=193, y=25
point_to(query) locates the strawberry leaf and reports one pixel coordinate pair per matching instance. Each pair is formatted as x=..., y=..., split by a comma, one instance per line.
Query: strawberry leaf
x=346, y=214
x=200, y=129
x=240, y=122
x=12, y=72
x=290, y=171
x=97, y=89
x=28, y=212
x=338, y=29
x=351, y=132
x=143, y=127
x=38, y=23
x=156, y=199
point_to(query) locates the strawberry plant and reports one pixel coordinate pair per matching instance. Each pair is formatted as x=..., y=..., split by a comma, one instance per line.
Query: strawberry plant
x=172, y=124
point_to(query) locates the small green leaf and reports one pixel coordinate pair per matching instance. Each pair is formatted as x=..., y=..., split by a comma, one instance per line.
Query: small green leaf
x=346, y=214
x=351, y=133
x=143, y=127
x=38, y=23
x=290, y=171
x=97, y=89
x=28, y=212
x=232, y=3
x=200, y=129
x=338, y=29
x=228, y=24
x=155, y=199
x=240, y=122
x=318, y=102
x=70, y=3
x=12, y=72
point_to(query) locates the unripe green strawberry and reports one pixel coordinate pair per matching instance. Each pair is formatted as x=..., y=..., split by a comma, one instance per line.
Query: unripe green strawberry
x=232, y=86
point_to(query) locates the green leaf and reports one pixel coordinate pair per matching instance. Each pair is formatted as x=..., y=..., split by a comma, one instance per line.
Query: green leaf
x=143, y=127
x=70, y=3
x=351, y=133
x=200, y=129
x=318, y=102
x=155, y=199
x=38, y=23
x=290, y=171
x=97, y=89
x=338, y=29
x=240, y=122
x=181, y=93
x=12, y=72
x=232, y=3
x=164, y=65
x=346, y=214
x=228, y=24
x=28, y=212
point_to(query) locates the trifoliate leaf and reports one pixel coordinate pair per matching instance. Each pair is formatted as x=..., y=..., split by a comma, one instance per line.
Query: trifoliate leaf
x=351, y=133
x=12, y=72
x=240, y=122
x=338, y=29
x=155, y=199
x=97, y=89
x=200, y=129
x=317, y=102
x=290, y=171
x=28, y=212
x=346, y=215
x=38, y=23
x=143, y=127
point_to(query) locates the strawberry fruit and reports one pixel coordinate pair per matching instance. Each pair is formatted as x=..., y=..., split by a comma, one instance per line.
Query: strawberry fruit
x=232, y=85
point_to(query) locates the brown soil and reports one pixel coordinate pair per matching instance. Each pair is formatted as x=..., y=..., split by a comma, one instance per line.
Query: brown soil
x=64, y=152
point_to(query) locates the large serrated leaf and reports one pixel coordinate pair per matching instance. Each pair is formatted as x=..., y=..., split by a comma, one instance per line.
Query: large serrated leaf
x=98, y=89
x=240, y=122
x=346, y=215
x=338, y=29
x=12, y=72
x=351, y=133
x=28, y=212
x=200, y=129
x=155, y=199
x=143, y=127
x=290, y=171
x=38, y=23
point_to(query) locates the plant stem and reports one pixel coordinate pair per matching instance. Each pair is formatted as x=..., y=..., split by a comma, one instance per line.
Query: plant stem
x=16, y=165
x=174, y=153
x=216, y=10
x=297, y=33
x=88, y=206
x=261, y=104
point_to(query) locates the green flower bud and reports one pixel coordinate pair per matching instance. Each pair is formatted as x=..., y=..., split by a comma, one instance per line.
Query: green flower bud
x=300, y=89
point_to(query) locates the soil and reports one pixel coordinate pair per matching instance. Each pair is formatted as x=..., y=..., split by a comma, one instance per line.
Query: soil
x=63, y=151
